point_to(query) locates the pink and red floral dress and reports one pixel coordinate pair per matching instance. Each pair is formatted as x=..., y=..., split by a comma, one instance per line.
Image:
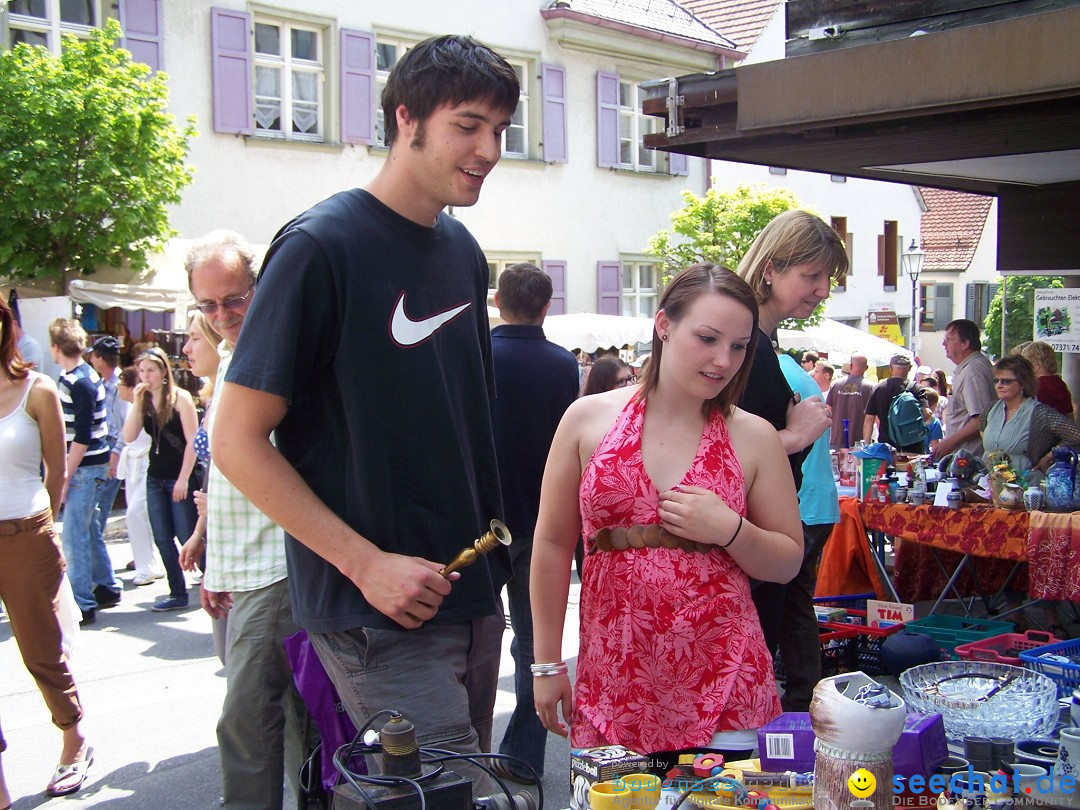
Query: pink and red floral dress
x=671, y=648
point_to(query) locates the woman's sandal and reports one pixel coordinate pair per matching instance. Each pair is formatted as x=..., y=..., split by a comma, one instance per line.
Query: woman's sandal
x=67, y=779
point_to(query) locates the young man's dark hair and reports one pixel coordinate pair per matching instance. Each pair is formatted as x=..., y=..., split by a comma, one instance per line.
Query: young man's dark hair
x=446, y=70
x=524, y=291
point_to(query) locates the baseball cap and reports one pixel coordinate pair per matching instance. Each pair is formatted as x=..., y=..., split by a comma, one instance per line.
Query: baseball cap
x=106, y=345
x=899, y=360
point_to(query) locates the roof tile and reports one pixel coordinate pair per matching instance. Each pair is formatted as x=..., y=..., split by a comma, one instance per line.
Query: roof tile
x=952, y=227
x=666, y=16
x=739, y=20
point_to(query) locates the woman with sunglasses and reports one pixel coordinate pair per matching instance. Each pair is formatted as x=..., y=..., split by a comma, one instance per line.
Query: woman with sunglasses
x=1020, y=425
x=167, y=413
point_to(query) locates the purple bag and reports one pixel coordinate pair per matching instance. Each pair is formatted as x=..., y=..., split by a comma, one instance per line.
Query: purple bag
x=322, y=701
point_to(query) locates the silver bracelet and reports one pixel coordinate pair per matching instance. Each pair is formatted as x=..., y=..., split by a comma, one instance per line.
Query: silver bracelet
x=547, y=670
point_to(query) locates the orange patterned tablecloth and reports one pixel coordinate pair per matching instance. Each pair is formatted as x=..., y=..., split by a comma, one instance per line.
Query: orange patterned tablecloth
x=1049, y=542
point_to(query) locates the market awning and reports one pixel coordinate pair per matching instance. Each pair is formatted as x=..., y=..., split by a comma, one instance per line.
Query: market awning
x=162, y=288
x=589, y=331
x=840, y=340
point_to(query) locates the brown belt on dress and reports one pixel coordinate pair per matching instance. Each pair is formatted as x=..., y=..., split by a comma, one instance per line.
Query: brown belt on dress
x=620, y=538
x=20, y=525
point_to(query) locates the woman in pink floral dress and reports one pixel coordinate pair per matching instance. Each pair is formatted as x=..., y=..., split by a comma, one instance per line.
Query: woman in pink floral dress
x=671, y=653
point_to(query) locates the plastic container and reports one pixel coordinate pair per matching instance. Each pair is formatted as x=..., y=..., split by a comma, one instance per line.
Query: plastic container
x=1004, y=649
x=868, y=640
x=1064, y=672
x=950, y=631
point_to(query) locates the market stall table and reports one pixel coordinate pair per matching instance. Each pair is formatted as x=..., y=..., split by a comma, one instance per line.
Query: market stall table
x=1002, y=540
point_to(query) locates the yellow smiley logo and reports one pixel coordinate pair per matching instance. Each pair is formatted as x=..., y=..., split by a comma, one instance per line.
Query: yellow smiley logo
x=862, y=783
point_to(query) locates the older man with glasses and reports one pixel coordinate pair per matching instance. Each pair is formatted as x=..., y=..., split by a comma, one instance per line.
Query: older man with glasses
x=972, y=389
x=260, y=733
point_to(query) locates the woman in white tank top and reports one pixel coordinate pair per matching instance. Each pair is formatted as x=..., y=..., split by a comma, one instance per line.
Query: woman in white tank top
x=31, y=563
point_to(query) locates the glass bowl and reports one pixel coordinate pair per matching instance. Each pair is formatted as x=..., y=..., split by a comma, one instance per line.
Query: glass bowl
x=983, y=699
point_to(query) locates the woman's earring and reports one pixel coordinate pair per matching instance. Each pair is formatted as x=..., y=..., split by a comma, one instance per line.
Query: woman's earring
x=768, y=283
x=663, y=337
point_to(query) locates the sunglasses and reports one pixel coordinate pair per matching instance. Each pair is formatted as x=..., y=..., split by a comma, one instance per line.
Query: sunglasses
x=1004, y=380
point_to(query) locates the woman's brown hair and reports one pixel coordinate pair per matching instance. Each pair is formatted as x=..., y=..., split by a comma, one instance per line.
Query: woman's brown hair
x=168, y=388
x=684, y=289
x=10, y=358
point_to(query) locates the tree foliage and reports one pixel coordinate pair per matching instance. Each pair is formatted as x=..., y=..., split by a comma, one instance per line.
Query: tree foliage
x=719, y=229
x=1018, y=292
x=90, y=159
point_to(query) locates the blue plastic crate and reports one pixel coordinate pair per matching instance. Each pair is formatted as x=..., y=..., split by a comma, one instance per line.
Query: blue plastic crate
x=1065, y=673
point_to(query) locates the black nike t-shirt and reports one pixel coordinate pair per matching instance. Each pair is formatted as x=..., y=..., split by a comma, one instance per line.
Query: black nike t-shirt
x=375, y=331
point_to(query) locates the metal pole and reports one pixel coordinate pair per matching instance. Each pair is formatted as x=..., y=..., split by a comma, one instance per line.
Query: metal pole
x=1004, y=312
x=914, y=314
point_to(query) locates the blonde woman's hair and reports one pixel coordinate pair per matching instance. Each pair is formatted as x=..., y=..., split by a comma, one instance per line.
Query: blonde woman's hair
x=792, y=238
x=1041, y=355
x=200, y=324
x=168, y=388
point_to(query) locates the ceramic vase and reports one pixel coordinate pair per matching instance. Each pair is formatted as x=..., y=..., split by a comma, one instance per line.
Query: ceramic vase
x=1033, y=498
x=1068, y=761
x=1010, y=496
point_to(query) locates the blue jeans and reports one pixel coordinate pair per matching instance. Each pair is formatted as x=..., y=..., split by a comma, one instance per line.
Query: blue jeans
x=106, y=499
x=84, y=544
x=525, y=737
x=170, y=520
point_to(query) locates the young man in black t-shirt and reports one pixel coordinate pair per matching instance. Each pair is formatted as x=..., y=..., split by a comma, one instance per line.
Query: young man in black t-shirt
x=366, y=351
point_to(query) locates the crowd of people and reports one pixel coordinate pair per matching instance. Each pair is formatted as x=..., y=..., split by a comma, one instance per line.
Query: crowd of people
x=324, y=494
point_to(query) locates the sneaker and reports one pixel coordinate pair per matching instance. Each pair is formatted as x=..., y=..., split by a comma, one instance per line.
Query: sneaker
x=106, y=597
x=140, y=580
x=169, y=603
x=88, y=617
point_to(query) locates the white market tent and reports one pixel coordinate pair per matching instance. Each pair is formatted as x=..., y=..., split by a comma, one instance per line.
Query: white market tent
x=590, y=332
x=841, y=341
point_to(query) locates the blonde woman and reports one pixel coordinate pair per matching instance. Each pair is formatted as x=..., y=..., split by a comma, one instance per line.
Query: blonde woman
x=1052, y=389
x=167, y=413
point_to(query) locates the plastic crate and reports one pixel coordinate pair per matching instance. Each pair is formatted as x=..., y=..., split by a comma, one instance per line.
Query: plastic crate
x=868, y=641
x=850, y=601
x=1006, y=648
x=1066, y=674
x=837, y=653
x=950, y=631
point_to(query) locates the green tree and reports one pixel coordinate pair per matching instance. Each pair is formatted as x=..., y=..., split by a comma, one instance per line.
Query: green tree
x=1019, y=294
x=90, y=159
x=719, y=228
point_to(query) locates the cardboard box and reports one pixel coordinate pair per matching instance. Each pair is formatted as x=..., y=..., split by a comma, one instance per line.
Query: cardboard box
x=590, y=765
x=921, y=747
x=787, y=744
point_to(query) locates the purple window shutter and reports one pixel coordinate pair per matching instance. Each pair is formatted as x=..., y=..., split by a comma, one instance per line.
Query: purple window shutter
x=553, y=87
x=607, y=120
x=557, y=271
x=609, y=288
x=230, y=46
x=357, y=86
x=143, y=28
x=678, y=163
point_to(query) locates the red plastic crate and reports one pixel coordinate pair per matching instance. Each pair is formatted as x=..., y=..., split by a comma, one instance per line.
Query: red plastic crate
x=868, y=641
x=1004, y=648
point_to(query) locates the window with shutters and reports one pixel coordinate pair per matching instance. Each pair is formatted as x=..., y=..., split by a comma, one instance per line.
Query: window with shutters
x=979, y=296
x=289, y=80
x=839, y=224
x=640, y=288
x=634, y=125
x=936, y=303
x=497, y=263
x=43, y=22
x=889, y=248
x=621, y=127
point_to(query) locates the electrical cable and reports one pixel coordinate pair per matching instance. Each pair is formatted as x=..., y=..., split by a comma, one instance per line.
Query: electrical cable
x=344, y=755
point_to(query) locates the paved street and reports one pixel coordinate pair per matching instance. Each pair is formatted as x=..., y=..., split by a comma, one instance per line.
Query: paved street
x=152, y=689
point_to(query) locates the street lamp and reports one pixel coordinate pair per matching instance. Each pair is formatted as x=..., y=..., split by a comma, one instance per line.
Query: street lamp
x=912, y=261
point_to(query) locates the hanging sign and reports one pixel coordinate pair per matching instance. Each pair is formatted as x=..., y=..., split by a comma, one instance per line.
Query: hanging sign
x=1057, y=318
x=884, y=324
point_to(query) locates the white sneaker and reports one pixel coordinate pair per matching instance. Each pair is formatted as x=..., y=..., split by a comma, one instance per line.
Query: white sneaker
x=141, y=580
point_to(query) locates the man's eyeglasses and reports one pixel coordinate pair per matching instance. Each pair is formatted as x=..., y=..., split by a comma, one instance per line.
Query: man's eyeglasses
x=233, y=302
x=1004, y=380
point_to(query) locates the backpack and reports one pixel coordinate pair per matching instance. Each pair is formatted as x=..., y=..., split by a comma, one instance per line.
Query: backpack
x=905, y=420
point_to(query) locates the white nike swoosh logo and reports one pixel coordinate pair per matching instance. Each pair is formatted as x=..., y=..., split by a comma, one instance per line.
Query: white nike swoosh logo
x=407, y=332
